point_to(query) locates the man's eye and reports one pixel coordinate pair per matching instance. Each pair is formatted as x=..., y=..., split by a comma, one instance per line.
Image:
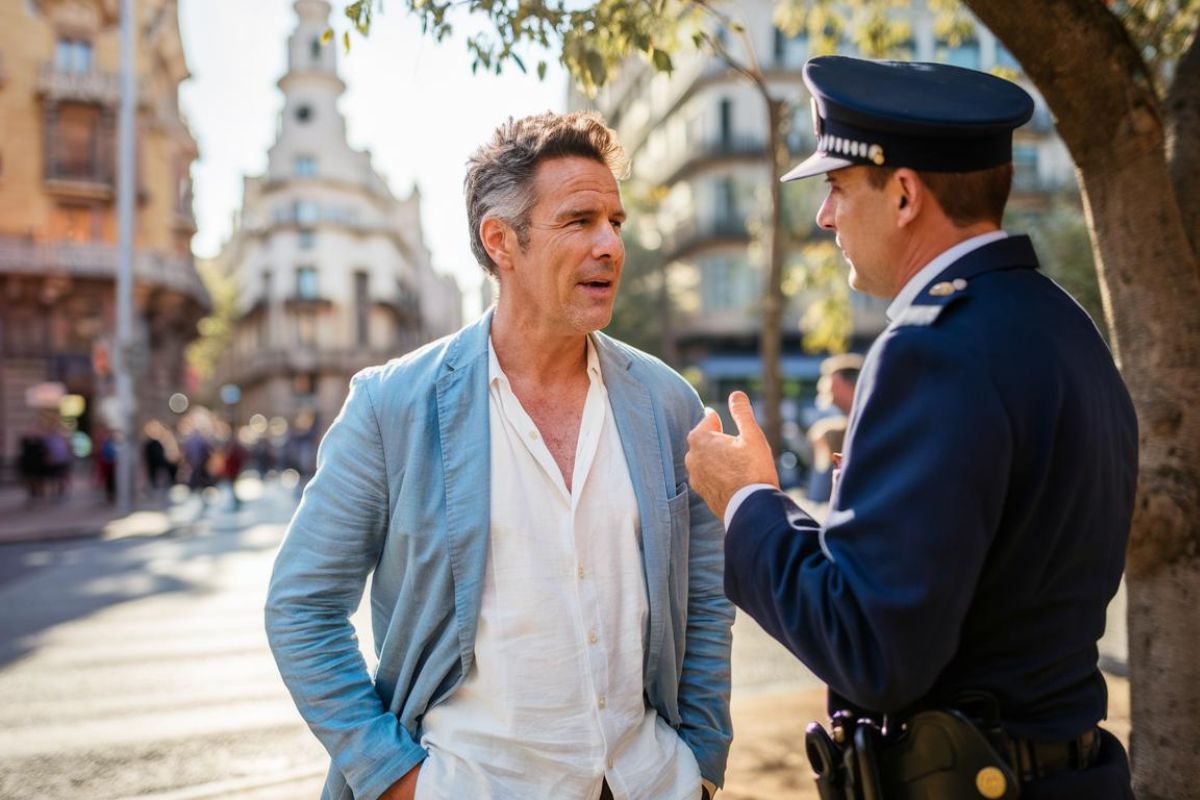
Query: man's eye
x=616, y=223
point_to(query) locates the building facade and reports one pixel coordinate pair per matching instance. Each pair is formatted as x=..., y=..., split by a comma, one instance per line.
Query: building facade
x=698, y=137
x=59, y=95
x=332, y=270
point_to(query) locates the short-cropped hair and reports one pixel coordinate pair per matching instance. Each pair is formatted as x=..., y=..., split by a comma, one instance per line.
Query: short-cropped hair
x=500, y=173
x=965, y=197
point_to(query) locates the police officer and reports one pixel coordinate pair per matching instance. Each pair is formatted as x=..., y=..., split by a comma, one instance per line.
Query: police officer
x=978, y=529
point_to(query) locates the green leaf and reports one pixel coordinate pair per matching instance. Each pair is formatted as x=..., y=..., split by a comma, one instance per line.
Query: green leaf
x=541, y=70
x=596, y=68
x=662, y=61
x=327, y=36
x=346, y=41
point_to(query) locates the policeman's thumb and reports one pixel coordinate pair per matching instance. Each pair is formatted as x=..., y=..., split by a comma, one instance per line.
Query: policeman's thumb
x=743, y=416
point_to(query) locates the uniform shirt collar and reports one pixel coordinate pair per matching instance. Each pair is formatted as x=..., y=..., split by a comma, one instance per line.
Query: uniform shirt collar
x=918, y=282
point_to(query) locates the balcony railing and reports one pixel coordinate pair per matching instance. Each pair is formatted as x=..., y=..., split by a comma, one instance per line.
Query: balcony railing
x=702, y=154
x=264, y=363
x=723, y=229
x=87, y=87
x=99, y=260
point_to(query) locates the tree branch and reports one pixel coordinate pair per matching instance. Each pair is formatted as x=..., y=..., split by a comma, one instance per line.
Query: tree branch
x=1182, y=112
x=1106, y=108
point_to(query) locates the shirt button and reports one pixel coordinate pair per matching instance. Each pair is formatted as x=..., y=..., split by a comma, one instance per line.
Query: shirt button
x=592, y=637
x=602, y=702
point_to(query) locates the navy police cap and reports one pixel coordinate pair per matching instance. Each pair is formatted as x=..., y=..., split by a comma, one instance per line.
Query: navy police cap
x=931, y=117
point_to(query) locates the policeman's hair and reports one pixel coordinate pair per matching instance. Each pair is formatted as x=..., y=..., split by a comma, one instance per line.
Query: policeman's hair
x=965, y=197
x=499, y=181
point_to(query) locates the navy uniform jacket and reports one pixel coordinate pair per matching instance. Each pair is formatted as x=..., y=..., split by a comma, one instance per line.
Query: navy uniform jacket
x=979, y=528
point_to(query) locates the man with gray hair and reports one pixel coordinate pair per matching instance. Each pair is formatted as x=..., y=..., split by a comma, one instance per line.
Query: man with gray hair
x=546, y=594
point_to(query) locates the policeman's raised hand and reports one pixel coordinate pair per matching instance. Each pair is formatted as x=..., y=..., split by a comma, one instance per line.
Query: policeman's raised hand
x=719, y=464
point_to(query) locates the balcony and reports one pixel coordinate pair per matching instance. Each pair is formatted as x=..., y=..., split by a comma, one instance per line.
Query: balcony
x=97, y=260
x=697, y=234
x=60, y=85
x=265, y=363
x=307, y=303
x=91, y=179
x=705, y=154
x=405, y=306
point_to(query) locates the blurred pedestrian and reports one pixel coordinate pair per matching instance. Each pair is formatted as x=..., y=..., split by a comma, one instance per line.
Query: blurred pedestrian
x=233, y=461
x=154, y=456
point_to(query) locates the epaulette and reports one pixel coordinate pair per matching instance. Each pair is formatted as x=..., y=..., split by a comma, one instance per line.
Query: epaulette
x=930, y=304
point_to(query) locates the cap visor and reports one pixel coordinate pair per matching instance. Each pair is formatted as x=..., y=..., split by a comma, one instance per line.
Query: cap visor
x=816, y=164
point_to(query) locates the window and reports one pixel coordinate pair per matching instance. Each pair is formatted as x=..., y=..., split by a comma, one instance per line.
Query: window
x=306, y=212
x=304, y=166
x=362, y=309
x=780, y=46
x=306, y=283
x=307, y=239
x=1025, y=167
x=304, y=113
x=717, y=284
x=726, y=121
x=266, y=286
x=726, y=202
x=73, y=55
x=964, y=55
x=76, y=142
x=315, y=48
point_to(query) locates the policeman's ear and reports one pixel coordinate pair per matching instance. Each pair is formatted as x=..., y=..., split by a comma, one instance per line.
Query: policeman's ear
x=909, y=194
x=499, y=240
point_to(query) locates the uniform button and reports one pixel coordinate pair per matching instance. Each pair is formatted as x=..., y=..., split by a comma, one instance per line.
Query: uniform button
x=602, y=702
x=581, y=572
x=533, y=434
x=592, y=637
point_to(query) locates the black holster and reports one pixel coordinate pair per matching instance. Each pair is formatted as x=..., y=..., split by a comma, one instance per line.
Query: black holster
x=934, y=755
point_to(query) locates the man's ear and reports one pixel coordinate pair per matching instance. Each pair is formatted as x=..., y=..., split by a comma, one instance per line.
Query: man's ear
x=909, y=195
x=499, y=240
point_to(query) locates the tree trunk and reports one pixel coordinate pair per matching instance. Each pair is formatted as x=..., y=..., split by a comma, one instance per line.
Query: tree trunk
x=1111, y=121
x=771, y=347
x=1153, y=301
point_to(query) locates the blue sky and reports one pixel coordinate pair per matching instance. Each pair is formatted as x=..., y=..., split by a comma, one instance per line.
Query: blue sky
x=410, y=101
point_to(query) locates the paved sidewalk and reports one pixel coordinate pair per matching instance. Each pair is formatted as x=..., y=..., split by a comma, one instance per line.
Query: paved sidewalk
x=84, y=513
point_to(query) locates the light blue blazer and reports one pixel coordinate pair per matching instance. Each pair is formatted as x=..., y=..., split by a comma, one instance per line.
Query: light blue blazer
x=402, y=491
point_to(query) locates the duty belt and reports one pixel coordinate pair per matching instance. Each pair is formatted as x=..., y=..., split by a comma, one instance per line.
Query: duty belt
x=1032, y=760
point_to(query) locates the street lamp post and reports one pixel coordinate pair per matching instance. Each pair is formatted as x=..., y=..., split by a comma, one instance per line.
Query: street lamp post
x=123, y=368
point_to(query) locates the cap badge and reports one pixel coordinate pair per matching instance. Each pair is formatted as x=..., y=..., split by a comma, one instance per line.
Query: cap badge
x=875, y=153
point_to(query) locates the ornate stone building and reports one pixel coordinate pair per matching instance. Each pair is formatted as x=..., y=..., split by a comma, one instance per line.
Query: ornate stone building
x=332, y=270
x=59, y=95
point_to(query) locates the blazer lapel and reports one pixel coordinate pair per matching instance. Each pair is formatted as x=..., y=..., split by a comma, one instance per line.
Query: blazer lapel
x=633, y=412
x=462, y=404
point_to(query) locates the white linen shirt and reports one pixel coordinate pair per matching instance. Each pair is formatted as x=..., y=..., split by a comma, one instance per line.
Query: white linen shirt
x=553, y=703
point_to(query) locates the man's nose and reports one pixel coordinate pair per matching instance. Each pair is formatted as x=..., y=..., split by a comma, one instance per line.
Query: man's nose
x=608, y=242
x=825, y=214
